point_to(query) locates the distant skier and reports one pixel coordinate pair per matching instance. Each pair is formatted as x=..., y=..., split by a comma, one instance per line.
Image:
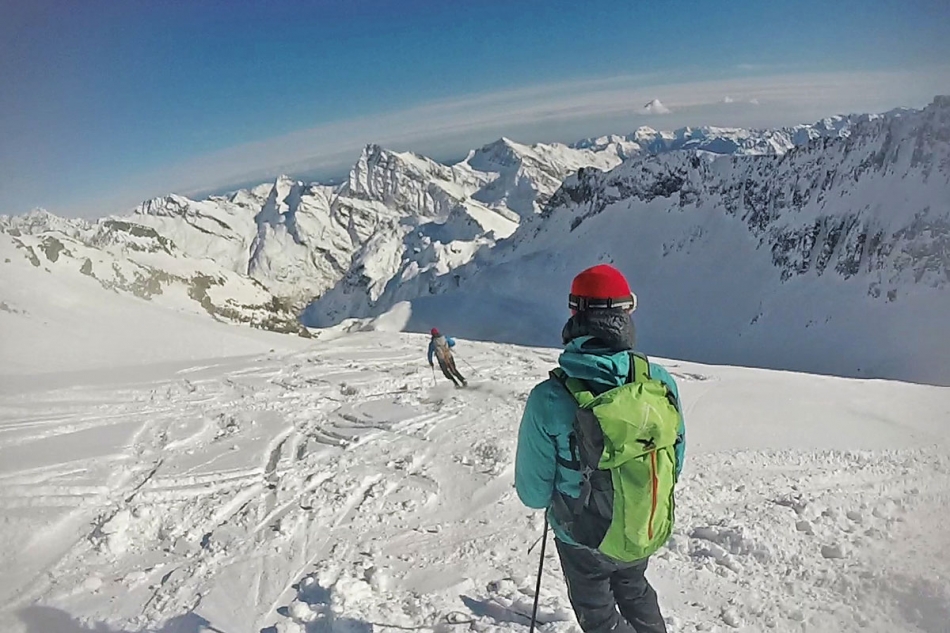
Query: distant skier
x=440, y=346
x=606, y=417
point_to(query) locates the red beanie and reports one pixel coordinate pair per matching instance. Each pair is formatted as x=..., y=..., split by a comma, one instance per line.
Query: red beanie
x=602, y=286
x=434, y=332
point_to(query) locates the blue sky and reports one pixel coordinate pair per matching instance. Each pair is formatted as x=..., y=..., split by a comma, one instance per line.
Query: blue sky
x=104, y=104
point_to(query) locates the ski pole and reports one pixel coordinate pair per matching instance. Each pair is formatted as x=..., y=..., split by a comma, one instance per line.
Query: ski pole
x=537, y=588
x=533, y=545
x=432, y=367
x=467, y=363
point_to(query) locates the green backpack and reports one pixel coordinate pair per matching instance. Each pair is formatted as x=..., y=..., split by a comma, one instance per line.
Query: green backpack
x=623, y=446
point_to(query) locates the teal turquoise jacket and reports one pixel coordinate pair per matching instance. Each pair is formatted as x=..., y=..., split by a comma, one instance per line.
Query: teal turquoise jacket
x=548, y=421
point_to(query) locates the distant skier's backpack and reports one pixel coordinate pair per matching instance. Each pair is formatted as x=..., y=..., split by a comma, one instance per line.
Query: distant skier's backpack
x=623, y=445
x=441, y=347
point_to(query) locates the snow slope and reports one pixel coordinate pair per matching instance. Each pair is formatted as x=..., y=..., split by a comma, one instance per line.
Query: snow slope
x=68, y=307
x=341, y=489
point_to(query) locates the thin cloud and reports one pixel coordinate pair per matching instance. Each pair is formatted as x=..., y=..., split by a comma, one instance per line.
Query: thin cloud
x=586, y=106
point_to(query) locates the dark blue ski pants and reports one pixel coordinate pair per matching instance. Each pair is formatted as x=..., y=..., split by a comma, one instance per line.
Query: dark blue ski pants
x=608, y=595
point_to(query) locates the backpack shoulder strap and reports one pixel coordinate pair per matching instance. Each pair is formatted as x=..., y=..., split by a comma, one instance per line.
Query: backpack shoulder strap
x=561, y=376
x=640, y=372
x=639, y=368
x=575, y=386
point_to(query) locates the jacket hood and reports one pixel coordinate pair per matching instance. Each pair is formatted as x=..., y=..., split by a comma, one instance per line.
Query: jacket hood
x=586, y=358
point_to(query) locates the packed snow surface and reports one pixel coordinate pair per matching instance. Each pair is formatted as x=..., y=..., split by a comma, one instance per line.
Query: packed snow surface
x=343, y=487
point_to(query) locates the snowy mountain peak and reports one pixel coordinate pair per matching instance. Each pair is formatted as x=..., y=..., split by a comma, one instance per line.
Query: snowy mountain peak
x=38, y=214
x=405, y=182
x=371, y=152
x=283, y=199
x=644, y=132
x=503, y=153
x=655, y=107
x=40, y=220
x=169, y=205
x=285, y=181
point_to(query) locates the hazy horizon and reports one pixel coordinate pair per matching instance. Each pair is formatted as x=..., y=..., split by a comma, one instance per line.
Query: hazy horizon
x=109, y=104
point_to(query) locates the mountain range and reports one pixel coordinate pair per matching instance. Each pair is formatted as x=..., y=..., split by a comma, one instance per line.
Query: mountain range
x=763, y=247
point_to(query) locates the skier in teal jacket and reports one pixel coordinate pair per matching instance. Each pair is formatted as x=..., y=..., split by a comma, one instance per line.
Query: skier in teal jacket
x=598, y=338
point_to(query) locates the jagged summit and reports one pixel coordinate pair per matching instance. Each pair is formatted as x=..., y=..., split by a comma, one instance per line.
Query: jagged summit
x=171, y=204
x=500, y=154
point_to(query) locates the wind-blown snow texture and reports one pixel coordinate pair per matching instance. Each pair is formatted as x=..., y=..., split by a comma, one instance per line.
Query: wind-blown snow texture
x=340, y=489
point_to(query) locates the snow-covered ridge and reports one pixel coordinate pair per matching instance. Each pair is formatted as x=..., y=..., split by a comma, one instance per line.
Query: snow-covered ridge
x=726, y=140
x=793, y=203
x=137, y=261
x=842, y=244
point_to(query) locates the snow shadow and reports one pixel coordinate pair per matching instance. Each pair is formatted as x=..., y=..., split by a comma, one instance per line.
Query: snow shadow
x=50, y=620
x=338, y=625
x=924, y=604
x=318, y=598
x=488, y=609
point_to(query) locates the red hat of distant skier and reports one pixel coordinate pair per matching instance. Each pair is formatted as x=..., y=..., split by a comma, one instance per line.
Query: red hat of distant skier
x=434, y=331
x=601, y=287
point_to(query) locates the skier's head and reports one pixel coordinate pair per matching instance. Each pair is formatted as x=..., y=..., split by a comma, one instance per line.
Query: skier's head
x=599, y=288
x=434, y=331
x=601, y=304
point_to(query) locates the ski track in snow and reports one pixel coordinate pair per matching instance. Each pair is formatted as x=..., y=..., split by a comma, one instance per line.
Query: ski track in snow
x=342, y=489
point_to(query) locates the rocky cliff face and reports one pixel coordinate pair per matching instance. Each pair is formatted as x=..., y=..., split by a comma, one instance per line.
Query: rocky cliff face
x=873, y=205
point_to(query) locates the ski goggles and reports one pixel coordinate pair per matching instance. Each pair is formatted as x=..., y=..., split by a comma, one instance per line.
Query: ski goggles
x=579, y=304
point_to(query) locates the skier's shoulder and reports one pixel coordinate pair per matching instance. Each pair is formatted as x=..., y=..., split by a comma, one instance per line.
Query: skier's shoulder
x=550, y=394
x=550, y=408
